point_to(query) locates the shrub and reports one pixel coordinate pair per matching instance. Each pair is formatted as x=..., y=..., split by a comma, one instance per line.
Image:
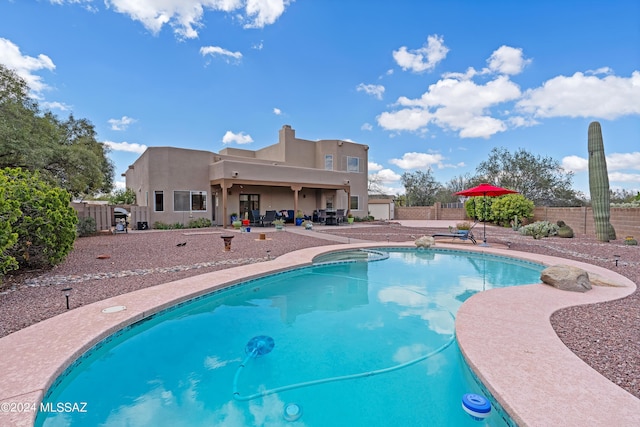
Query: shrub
x=9, y=212
x=465, y=225
x=479, y=208
x=505, y=208
x=46, y=226
x=86, y=227
x=539, y=229
x=159, y=225
x=199, y=223
x=564, y=230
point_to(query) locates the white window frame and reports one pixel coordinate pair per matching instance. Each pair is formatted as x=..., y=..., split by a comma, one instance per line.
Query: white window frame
x=357, y=164
x=328, y=162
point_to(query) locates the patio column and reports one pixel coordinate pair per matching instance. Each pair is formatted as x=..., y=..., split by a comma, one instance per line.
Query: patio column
x=225, y=192
x=348, y=191
x=295, y=189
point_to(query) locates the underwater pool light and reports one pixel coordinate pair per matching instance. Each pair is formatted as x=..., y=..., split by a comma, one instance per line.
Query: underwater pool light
x=292, y=411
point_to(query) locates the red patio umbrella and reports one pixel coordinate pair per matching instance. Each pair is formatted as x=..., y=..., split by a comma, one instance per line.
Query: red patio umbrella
x=485, y=190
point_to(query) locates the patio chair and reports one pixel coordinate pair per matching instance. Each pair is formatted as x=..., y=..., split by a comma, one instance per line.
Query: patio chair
x=322, y=216
x=268, y=219
x=340, y=216
x=255, y=217
x=460, y=234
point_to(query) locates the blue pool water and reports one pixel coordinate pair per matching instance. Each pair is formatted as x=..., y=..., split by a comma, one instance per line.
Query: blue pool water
x=331, y=324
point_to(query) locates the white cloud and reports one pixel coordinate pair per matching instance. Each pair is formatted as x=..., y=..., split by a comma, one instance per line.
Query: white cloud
x=418, y=160
x=624, y=177
x=372, y=166
x=218, y=51
x=410, y=119
x=183, y=15
x=601, y=70
x=575, y=163
x=615, y=162
x=507, y=60
x=583, y=95
x=55, y=105
x=374, y=90
x=238, y=138
x=24, y=65
x=126, y=146
x=366, y=126
x=186, y=16
x=386, y=176
x=277, y=111
x=121, y=124
x=456, y=104
x=424, y=58
x=264, y=12
x=619, y=161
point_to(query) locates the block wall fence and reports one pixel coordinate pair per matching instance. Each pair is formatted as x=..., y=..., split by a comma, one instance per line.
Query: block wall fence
x=626, y=221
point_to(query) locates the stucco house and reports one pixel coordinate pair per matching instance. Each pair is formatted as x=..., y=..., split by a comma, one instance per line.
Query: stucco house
x=177, y=184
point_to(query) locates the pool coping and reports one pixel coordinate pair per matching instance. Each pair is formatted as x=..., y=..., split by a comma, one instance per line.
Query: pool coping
x=538, y=382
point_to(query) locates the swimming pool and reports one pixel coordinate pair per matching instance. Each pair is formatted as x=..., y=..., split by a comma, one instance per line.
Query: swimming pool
x=336, y=322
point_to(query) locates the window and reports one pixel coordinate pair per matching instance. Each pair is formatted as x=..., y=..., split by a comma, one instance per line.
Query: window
x=328, y=162
x=159, y=201
x=249, y=202
x=186, y=201
x=198, y=201
x=353, y=164
x=354, y=203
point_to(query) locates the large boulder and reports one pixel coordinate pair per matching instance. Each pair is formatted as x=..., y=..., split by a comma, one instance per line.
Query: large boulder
x=425, y=242
x=566, y=277
x=597, y=280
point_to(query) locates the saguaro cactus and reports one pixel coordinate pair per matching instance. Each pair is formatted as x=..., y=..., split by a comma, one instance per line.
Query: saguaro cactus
x=599, y=185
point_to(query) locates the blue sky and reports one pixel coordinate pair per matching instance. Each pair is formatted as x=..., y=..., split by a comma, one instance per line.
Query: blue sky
x=424, y=83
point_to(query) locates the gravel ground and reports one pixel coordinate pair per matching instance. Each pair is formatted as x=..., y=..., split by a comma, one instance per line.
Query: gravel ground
x=606, y=335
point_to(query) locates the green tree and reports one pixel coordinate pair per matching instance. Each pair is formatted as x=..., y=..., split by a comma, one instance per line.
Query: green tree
x=446, y=194
x=66, y=153
x=46, y=225
x=540, y=179
x=420, y=187
x=123, y=197
x=623, y=196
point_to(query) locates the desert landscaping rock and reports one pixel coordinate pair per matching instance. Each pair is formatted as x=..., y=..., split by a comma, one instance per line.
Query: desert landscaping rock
x=566, y=278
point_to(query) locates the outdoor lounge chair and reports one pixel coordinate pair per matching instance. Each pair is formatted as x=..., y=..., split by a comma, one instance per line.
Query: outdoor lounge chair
x=460, y=234
x=255, y=217
x=268, y=219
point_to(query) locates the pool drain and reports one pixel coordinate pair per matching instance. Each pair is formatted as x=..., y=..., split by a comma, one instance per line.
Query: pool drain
x=259, y=346
x=292, y=411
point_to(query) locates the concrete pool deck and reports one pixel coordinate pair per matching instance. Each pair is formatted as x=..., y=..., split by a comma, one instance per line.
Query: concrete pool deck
x=504, y=334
